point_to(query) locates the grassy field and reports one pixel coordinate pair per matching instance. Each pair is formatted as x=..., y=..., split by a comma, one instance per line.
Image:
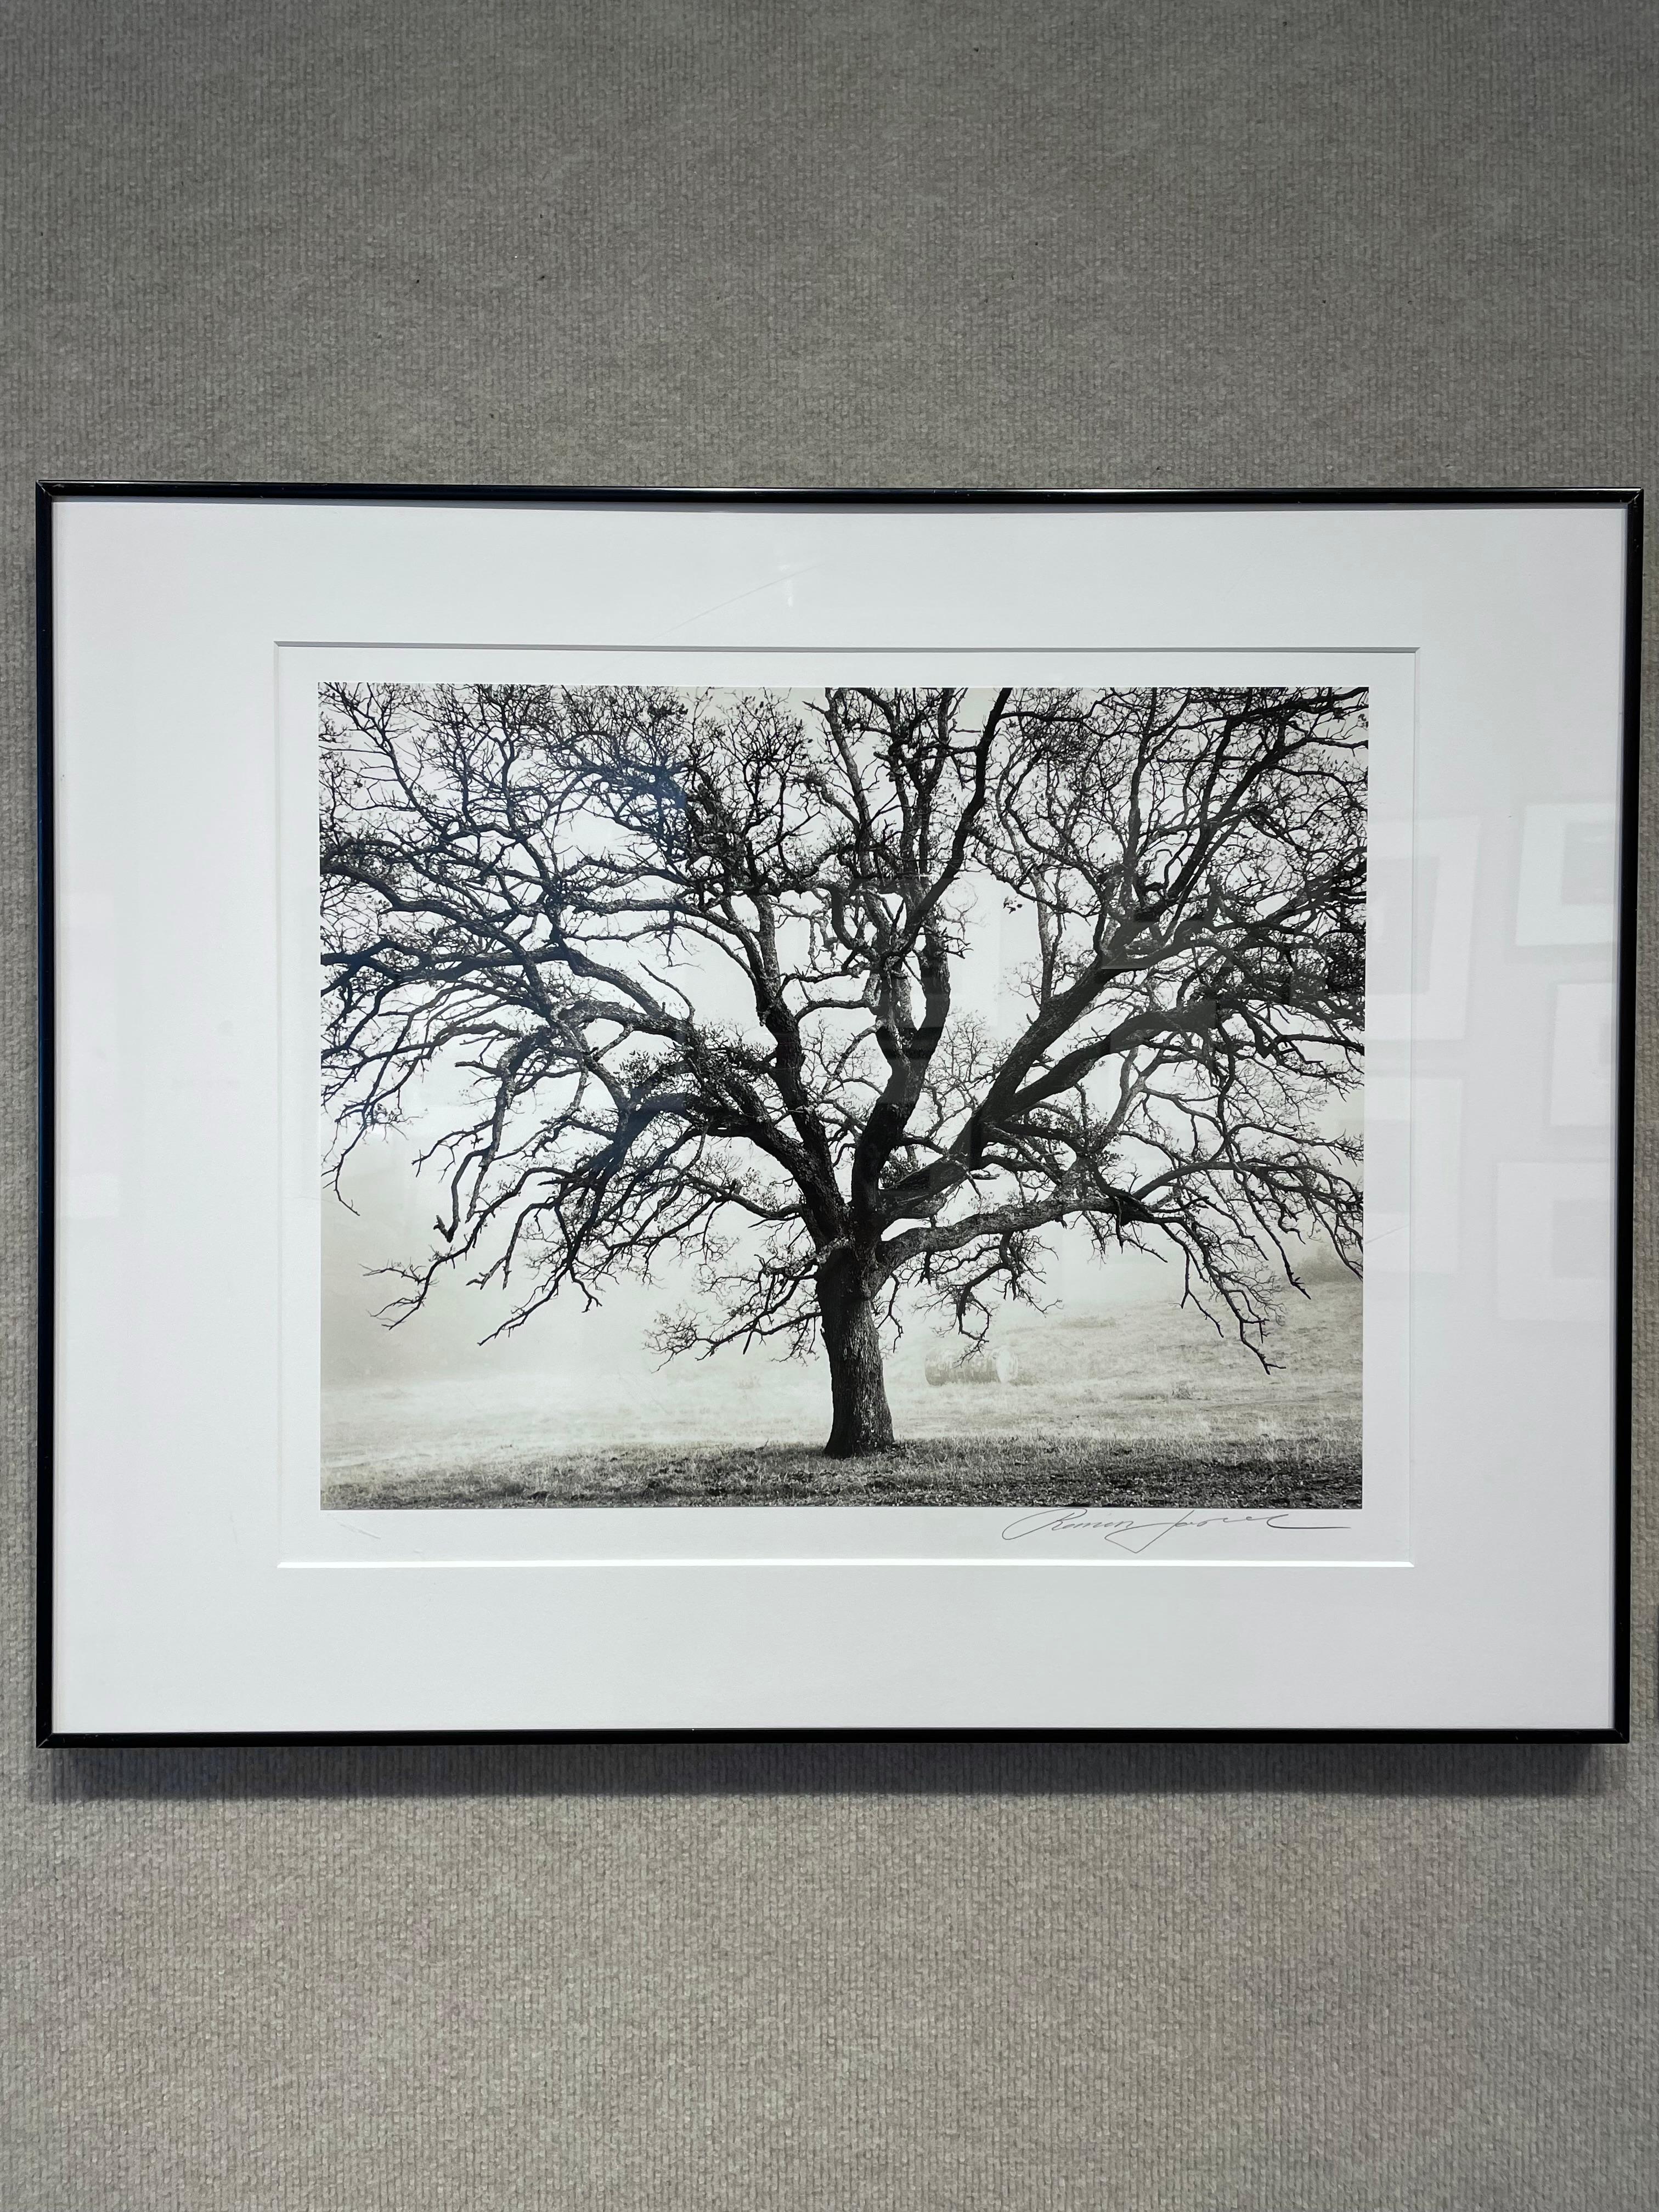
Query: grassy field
x=1140, y=1406
x=974, y=1471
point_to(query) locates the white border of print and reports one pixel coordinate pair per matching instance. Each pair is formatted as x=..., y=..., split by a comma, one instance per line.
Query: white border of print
x=1378, y=1531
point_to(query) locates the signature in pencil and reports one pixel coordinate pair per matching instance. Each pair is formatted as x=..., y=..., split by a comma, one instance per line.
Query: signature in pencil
x=1138, y=1532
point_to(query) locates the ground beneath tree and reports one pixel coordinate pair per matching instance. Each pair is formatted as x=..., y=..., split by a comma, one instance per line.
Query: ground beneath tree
x=1142, y=1404
x=1001, y=1471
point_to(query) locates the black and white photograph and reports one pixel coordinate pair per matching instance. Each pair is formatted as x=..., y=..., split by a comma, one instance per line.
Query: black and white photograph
x=862, y=1095
x=842, y=1113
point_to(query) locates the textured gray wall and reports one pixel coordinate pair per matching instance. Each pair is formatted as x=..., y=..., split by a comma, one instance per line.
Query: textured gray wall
x=1223, y=243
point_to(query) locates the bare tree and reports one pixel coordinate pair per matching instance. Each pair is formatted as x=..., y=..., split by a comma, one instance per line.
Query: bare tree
x=694, y=954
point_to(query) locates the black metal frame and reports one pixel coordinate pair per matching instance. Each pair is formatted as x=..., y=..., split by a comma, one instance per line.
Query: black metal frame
x=49, y=495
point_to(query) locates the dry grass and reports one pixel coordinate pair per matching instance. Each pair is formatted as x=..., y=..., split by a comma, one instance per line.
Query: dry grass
x=1004, y=1471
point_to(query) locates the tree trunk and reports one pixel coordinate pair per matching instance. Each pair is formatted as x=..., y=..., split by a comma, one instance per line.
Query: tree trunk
x=861, y=1421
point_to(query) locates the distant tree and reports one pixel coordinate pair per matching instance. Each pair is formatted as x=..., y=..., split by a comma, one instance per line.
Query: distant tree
x=694, y=954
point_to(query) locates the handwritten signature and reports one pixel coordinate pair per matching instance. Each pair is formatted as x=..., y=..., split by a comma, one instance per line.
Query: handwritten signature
x=1138, y=1533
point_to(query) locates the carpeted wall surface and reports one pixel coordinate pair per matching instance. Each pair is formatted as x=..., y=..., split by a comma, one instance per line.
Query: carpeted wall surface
x=879, y=241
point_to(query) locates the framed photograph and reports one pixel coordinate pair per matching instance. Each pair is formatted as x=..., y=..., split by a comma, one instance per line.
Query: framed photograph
x=679, y=1112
